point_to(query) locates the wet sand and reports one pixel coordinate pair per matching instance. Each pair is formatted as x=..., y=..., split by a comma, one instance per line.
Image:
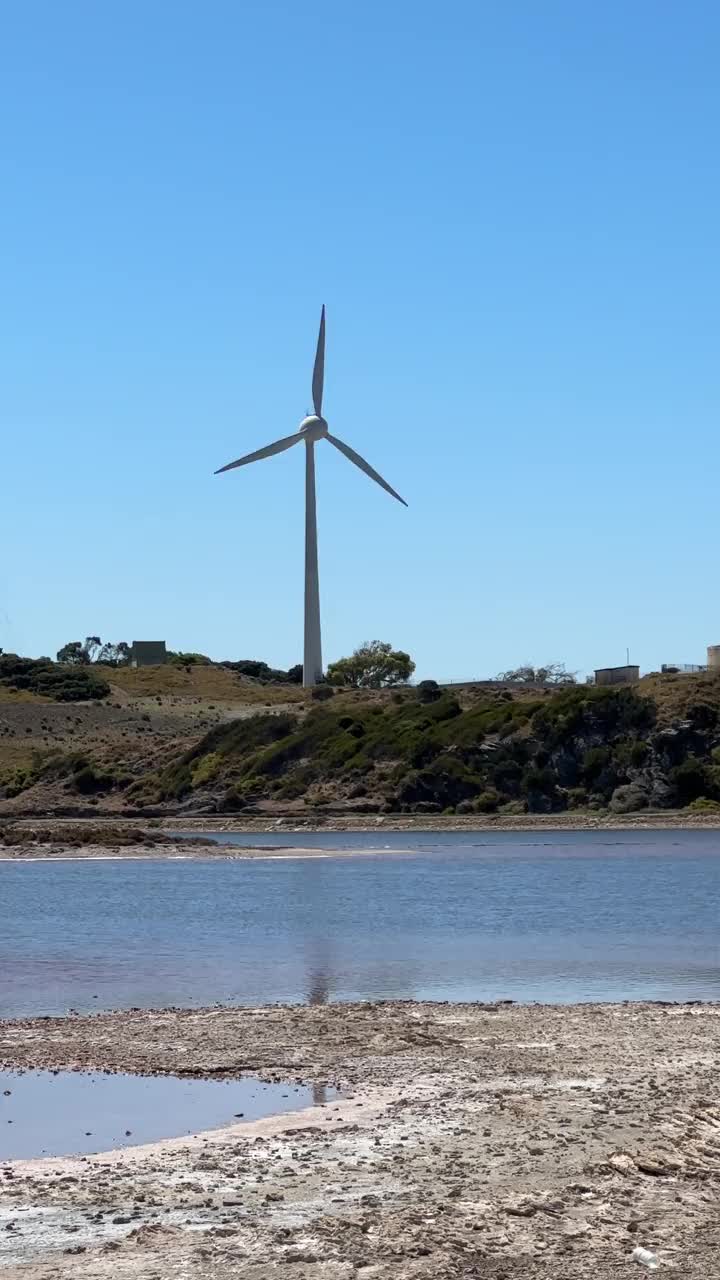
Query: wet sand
x=133, y=853
x=482, y=1141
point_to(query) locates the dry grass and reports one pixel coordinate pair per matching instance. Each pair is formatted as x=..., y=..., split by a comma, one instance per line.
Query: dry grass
x=206, y=683
x=674, y=694
x=15, y=696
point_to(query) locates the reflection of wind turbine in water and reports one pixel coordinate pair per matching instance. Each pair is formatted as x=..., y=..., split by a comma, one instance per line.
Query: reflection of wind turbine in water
x=318, y=993
x=311, y=429
x=319, y=988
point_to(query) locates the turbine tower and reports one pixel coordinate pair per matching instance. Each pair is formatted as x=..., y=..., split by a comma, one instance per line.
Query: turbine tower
x=311, y=429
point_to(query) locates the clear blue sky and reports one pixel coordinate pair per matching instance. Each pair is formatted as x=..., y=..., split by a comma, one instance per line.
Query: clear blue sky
x=510, y=210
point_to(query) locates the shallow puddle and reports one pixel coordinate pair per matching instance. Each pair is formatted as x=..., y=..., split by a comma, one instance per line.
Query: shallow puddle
x=46, y=1113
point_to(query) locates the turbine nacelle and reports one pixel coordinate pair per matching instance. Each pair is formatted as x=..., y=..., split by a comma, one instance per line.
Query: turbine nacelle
x=313, y=428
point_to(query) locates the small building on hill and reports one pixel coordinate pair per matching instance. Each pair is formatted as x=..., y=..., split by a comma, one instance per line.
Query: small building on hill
x=148, y=653
x=617, y=675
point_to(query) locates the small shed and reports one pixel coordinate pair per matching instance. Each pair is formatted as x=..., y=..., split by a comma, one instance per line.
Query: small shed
x=148, y=653
x=617, y=675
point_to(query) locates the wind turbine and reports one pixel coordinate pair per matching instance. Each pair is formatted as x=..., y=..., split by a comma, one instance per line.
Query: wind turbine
x=311, y=429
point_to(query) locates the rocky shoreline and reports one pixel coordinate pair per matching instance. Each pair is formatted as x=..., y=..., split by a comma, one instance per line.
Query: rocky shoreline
x=484, y=1141
x=95, y=839
x=658, y=820
x=99, y=831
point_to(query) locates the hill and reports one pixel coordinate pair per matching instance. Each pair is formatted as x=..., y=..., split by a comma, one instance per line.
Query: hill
x=206, y=740
x=142, y=718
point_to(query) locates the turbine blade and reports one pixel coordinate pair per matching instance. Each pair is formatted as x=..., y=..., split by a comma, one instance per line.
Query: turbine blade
x=364, y=466
x=286, y=443
x=319, y=369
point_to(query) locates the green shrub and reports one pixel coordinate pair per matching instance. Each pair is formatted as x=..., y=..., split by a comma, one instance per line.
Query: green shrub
x=585, y=711
x=206, y=769
x=577, y=798
x=189, y=660
x=87, y=780
x=702, y=715
x=703, y=805
x=428, y=691
x=628, y=799
x=690, y=781
x=595, y=760
x=488, y=801
x=51, y=680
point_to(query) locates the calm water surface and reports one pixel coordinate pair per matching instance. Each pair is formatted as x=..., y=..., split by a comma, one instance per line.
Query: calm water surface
x=563, y=917
x=47, y=1113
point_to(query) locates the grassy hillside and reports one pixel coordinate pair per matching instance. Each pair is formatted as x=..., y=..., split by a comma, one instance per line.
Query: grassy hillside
x=578, y=748
x=62, y=745
x=206, y=740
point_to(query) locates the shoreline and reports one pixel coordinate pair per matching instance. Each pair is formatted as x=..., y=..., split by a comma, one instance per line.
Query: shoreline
x=226, y=852
x=424, y=823
x=538, y=1142
x=112, y=842
x=194, y=824
x=241, y=853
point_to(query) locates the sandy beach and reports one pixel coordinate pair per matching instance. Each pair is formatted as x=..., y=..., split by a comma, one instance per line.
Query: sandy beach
x=61, y=852
x=482, y=1141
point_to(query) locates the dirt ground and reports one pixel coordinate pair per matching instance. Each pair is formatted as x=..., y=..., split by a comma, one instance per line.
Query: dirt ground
x=494, y=1142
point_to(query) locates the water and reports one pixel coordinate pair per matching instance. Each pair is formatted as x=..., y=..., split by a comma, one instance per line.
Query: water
x=45, y=1113
x=559, y=917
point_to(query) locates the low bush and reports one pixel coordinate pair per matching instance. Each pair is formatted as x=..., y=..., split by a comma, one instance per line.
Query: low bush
x=51, y=680
x=322, y=693
x=88, y=780
x=703, y=805
x=487, y=802
x=628, y=799
x=690, y=781
x=428, y=691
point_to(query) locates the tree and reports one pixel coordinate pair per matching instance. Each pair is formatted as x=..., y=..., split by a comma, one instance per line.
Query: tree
x=267, y=675
x=92, y=649
x=551, y=673
x=114, y=655
x=374, y=665
x=73, y=654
